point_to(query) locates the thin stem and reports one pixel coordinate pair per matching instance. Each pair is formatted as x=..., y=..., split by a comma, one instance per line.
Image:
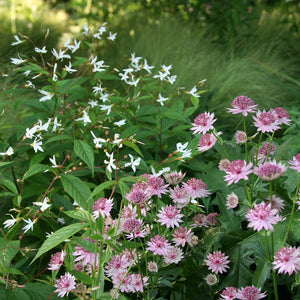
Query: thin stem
x=246, y=146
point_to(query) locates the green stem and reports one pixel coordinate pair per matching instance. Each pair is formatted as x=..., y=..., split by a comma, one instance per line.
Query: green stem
x=246, y=145
x=275, y=285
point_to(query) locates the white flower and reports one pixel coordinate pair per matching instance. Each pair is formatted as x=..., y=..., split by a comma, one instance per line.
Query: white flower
x=10, y=222
x=26, y=73
x=30, y=132
x=53, y=162
x=98, y=66
x=133, y=163
x=38, y=50
x=43, y=205
x=69, y=68
x=161, y=99
x=67, y=43
x=86, y=30
x=162, y=171
x=120, y=123
x=29, y=225
x=97, y=141
x=61, y=220
x=104, y=97
x=106, y=107
x=86, y=119
x=172, y=78
x=30, y=84
x=98, y=89
x=161, y=75
x=17, y=42
x=44, y=127
x=60, y=55
x=110, y=163
x=117, y=140
x=111, y=36
x=147, y=67
x=134, y=60
x=193, y=92
x=166, y=68
x=37, y=145
x=75, y=47
x=181, y=147
x=9, y=152
x=93, y=103
x=47, y=95
x=17, y=61
x=55, y=124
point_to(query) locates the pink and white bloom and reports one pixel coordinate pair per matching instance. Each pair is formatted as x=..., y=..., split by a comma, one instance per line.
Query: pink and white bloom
x=267, y=150
x=196, y=188
x=206, y=142
x=241, y=137
x=181, y=236
x=223, y=164
x=170, y=216
x=250, y=293
x=237, y=170
x=295, y=163
x=139, y=194
x=243, y=105
x=85, y=255
x=232, y=201
x=287, y=260
x=102, y=206
x=277, y=203
x=65, y=284
x=156, y=186
x=152, y=266
x=199, y=221
x=228, y=293
x=270, y=170
x=174, y=177
x=282, y=115
x=217, y=262
x=180, y=197
x=159, y=245
x=56, y=260
x=211, y=279
x=262, y=216
x=266, y=121
x=173, y=256
x=203, y=123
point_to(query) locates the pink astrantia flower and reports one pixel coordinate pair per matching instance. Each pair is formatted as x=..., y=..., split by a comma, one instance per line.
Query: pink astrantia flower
x=173, y=256
x=223, y=164
x=174, y=178
x=203, y=123
x=196, y=188
x=287, y=260
x=117, y=262
x=232, y=200
x=266, y=121
x=102, y=206
x=199, y=221
x=295, y=163
x=228, y=293
x=56, y=261
x=240, y=137
x=211, y=279
x=85, y=255
x=237, y=170
x=138, y=194
x=152, y=266
x=262, y=216
x=180, y=197
x=250, y=293
x=206, y=142
x=243, y=105
x=217, y=262
x=265, y=151
x=156, y=186
x=65, y=284
x=159, y=245
x=277, y=203
x=170, y=216
x=211, y=219
x=282, y=115
x=270, y=170
x=181, y=236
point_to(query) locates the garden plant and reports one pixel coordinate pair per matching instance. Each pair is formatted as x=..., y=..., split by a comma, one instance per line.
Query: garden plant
x=119, y=186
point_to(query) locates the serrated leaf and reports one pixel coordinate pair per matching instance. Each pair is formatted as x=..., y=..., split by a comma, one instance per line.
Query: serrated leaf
x=35, y=169
x=262, y=272
x=134, y=147
x=40, y=291
x=77, y=189
x=58, y=237
x=85, y=152
x=79, y=214
x=8, y=249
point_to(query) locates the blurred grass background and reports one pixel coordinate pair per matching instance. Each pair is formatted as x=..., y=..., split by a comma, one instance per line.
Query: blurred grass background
x=241, y=47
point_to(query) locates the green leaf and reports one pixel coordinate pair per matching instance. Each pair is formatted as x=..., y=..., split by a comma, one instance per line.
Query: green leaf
x=40, y=291
x=35, y=169
x=58, y=237
x=101, y=187
x=79, y=214
x=134, y=147
x=262, y=272
x=59, y=138
x=5, y=163
x=85, y=152
x=10, y=185
x=16, y=294
x=8, y=249
x=77, y=189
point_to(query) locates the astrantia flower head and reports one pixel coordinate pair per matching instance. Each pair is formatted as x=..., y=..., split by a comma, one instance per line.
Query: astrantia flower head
x=240, y=137
x=217, y=262
x=277, y=203
x=139, y=194
x=180, y=197
x=267, y=150
x=211, y=279
x=170, y=216
x=173, y=256
x=181, y=236
x=196, y=188
x=102, y=206
x=262, y=216
x=203, y=123
x=206, y=142
x=250, y=293
x=156, y=186
x=199, y=221
x=85, y=255
x=228, y=293
x=65, y=284
x=56, y=260
x=152, y=266
x=223, y=164
x=232, y=201
x=242, y=104
x=282, y=115
x=287, y=260
x=270, y=170
x=237, y=170
x=295, y=163
x=266, y=121
x=159, y=245
x=174, y=177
